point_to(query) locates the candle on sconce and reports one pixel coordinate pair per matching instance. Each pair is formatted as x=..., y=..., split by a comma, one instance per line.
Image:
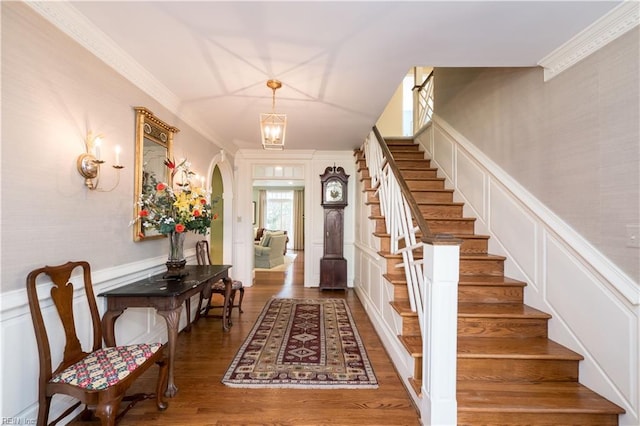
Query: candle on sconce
x=117, y=155
x=96, y=145
x=201, y=181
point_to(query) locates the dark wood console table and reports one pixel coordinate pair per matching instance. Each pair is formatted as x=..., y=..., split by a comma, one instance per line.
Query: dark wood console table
x=167, y=297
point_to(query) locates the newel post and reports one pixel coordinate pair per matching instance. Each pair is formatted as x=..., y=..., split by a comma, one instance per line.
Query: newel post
x=439, y=343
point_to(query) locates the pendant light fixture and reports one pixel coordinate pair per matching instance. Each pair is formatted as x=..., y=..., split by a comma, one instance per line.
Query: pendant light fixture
x=273, y=126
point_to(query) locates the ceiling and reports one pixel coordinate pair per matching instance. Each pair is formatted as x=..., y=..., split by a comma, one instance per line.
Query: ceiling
x=340, y=62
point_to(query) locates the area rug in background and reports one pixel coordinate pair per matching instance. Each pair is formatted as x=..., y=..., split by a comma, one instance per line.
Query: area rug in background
x=302, y=343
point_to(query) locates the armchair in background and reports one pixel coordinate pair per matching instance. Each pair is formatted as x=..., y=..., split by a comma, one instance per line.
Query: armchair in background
x=270, y=251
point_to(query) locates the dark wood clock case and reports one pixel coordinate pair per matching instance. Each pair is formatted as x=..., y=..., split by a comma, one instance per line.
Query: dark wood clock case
x=333, y=265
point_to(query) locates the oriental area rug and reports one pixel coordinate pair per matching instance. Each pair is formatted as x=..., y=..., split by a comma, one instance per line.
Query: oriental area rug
x=302, y=343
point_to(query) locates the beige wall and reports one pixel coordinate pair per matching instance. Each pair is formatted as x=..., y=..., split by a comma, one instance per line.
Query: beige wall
x=390, y=122
x=573, y=141
x=53, y=92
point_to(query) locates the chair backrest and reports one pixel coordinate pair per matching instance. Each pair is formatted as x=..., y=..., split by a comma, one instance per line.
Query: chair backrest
x=62, y=296
x=202, y=253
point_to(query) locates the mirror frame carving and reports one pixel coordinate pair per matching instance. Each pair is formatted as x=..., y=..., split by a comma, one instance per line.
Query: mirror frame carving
x=149, y=130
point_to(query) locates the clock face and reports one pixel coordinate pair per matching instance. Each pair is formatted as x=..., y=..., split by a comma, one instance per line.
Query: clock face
x=333, y=191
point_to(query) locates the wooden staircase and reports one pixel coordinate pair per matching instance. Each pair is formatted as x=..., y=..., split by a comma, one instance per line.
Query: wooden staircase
x=508, y=371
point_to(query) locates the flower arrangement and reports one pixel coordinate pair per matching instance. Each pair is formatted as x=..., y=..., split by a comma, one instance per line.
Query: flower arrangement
x=178, y=210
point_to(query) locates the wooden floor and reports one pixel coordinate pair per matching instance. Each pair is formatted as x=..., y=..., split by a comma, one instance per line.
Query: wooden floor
x=204, y=354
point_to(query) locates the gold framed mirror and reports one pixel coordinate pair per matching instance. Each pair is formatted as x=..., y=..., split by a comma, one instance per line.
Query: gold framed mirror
x=154, y=144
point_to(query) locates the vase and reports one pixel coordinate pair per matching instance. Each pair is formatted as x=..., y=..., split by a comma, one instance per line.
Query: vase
x=176, y=261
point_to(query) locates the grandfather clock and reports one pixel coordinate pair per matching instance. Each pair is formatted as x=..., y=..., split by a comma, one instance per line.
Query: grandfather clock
x=333, y=265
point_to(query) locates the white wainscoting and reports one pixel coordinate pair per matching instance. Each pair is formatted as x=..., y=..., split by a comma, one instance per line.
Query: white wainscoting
x=595, y=306
x=19, y=363
x=375, y=293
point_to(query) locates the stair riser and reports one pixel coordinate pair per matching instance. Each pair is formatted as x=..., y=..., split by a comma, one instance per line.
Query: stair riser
x=452, y=226
x=544, y=418
x=481, y=267
x=419, y=174
x=469, y=246
x=440, y=210
x=467, y=267
x=416, y=185
x=473, y=294
x=422, y=163
x=502, y=327
x=500, y=370
x=404, y=148
x=430, y=211
x=489, y=294
x=474, y=246
x=407, y=155
x=433, y=196
x=487, y=327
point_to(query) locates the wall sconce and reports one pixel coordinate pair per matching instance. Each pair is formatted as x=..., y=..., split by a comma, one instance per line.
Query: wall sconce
x=89, y=162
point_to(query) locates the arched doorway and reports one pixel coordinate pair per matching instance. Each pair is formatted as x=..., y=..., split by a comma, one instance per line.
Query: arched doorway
x=217, y=225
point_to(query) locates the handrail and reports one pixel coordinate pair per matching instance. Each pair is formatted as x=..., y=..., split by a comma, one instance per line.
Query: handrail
x=427, y=236
x=420, y=86
x=423, y=103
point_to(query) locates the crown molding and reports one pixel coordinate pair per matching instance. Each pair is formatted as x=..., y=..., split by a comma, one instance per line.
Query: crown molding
x=614, y=24
x=77, y=26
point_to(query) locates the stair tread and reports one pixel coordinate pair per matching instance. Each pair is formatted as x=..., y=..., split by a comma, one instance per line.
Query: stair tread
x=461, y=236
x=509, y=347
x=506, y=310
x=433, y=219
x=463, y=256
x=542, y=397
x=475, y=280
x=489, y=280
x=403, y=308
x=413, y=344
x=425, y=179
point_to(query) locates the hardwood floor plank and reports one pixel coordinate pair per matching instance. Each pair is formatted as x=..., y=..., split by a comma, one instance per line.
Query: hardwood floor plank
x=204, y=354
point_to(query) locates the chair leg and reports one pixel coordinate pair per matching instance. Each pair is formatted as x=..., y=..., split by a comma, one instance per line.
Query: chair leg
x=231, y=302
x=239, y=306
x=43, y=411
x=107, y=411
x=161, y=386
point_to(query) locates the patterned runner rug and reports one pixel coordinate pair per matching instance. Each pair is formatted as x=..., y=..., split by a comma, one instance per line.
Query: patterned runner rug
x=302, y=343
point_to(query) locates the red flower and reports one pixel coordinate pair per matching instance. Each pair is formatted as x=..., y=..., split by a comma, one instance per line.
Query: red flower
x=203, y=201
x=170, y=164
x=161, y=186
x=144, y=213
x=180, y=228
x=140, y=234
x=196, y=213
x=215, y=216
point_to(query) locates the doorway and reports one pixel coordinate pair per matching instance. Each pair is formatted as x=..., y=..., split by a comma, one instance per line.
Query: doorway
x=217, y=224
x=279, y=206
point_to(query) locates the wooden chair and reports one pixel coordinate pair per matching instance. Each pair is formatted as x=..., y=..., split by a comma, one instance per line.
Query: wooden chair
x=98, y=378
x=203, y=258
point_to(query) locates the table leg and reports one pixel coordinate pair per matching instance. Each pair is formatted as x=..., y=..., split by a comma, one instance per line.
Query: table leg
x=187, y=305
x=226, y=320
x=172, y=318
x=108, y=326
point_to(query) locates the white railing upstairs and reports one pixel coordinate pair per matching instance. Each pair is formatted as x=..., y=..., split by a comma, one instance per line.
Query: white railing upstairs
x=430, y=264
x=422, y=102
